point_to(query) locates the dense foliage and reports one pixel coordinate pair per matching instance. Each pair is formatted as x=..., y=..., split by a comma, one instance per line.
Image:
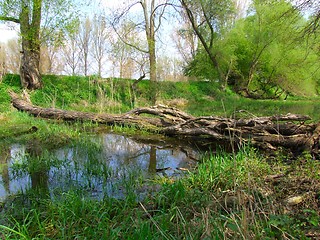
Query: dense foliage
x=266, y=54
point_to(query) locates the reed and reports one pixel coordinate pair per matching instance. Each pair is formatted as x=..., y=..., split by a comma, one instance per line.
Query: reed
x=224, y=198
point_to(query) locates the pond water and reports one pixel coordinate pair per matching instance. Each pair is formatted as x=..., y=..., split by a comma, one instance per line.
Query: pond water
x=103, y=165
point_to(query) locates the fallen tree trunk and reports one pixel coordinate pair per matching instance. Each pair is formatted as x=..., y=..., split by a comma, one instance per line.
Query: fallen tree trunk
x=288, y=131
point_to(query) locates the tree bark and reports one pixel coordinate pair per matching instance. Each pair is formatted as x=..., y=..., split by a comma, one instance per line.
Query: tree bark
x=29, y=70
x=264, y=132
x=30, y=34
x=149, y=18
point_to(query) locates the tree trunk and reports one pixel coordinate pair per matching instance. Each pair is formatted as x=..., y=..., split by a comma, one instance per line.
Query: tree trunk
x=153, y=72
x=30, y=34
x=207, y=46
x=150, y=34
x=29, y=70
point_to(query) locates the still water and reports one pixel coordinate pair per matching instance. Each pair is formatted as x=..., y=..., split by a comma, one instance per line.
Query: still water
x=104, y=165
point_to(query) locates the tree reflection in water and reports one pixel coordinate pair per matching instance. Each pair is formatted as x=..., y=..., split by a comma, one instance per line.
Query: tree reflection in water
x=153, y=160
x=38, y=168
x=4, y=158
x=94, y=166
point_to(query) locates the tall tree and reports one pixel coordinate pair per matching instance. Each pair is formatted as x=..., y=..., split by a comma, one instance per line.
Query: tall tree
x=85, y=39
x=49, y=57
x=99, y=41
x=185, y=39
x=29, y=14
x=71, y=57
x=12, y=50
x=3, y=68
x=71, y=51
x=152, y=16
x=150, y=29
x=121, y=54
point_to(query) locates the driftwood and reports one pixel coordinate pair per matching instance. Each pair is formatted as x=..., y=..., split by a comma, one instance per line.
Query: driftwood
x=288, y=131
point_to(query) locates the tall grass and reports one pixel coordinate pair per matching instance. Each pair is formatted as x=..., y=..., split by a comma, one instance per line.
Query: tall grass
x=222, y=199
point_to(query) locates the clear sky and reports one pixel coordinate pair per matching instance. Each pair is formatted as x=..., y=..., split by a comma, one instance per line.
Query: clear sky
x=6, y=33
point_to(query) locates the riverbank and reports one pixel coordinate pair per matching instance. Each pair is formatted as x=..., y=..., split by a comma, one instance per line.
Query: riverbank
x=113, y=95
x=228, y=196
x=237, y=195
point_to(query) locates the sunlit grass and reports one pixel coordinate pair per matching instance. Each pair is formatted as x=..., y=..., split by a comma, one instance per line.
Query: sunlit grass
x=224, y=198
x=224, y=171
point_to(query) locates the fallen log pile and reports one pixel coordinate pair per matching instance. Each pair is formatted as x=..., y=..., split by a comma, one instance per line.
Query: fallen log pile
x=289, y=131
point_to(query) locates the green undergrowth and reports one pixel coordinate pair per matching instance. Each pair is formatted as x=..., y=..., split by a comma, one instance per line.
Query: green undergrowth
x=226, y=197
x=114, y=95
x=19, y=127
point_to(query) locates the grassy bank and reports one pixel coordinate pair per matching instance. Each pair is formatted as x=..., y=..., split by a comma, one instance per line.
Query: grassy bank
x=91, y=94
x=115, y=95
x=241, y=195
x=227, y=197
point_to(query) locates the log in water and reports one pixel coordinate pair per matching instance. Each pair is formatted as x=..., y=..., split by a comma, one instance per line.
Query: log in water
x=289, y=131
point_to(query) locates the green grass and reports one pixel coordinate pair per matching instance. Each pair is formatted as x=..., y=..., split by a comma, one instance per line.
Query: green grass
x=114, y=96
x=15, y=127
x=225, y=197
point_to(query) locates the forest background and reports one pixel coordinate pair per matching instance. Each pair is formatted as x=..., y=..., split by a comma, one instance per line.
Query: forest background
x=259, y=49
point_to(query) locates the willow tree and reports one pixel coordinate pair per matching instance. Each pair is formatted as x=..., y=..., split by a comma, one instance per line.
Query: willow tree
x=208, y=19
x=32, y=15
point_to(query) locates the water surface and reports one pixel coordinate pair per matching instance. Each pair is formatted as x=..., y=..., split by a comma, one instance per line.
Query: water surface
x=104, y=165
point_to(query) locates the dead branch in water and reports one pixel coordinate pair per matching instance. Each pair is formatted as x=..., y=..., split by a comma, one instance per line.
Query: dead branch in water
x=288, y=131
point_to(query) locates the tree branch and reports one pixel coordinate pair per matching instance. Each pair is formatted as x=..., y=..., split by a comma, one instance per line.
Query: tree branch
x=127, y=43
x=207, y=21
x=9, y=19
x=199, y=35
x=161, y=14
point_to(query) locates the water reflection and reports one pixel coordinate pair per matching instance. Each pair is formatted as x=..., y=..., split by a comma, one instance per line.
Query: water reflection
x=39, y=173
x=104, y=165
x=153, y=160
x=4, y=155
x=8, y=183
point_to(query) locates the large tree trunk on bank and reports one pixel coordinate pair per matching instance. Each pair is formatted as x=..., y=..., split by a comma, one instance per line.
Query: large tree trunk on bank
x=264, y=132
x=29, y=70
x=30, y=19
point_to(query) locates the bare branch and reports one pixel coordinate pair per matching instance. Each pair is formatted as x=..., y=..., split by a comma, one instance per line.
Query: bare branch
x=126, y=42
x=161, y=14
x=123, y=13
x=116, y=21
